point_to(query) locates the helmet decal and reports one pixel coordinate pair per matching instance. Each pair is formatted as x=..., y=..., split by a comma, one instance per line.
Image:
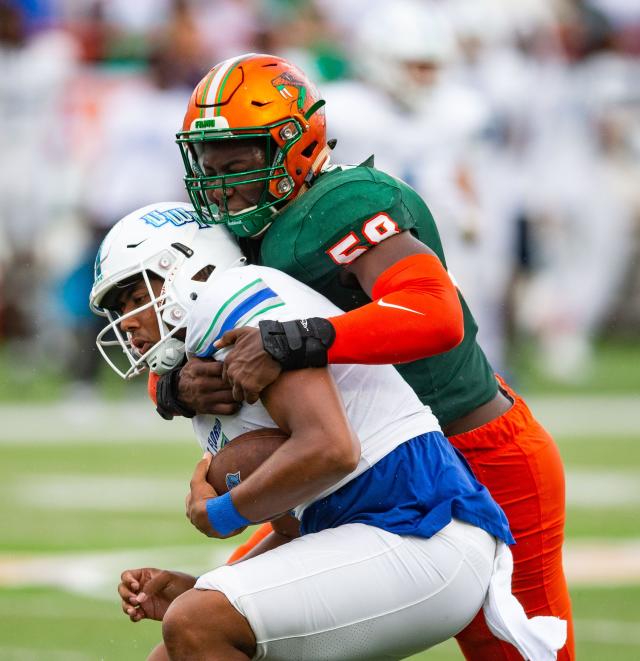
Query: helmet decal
x=286, y=80
x=97, y=267
x=178, y=217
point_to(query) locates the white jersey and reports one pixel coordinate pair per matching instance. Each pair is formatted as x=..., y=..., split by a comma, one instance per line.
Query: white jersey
x=382, y=409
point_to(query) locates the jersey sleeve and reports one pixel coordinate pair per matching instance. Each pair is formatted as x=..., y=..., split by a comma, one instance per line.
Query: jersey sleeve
x=242, y=297
x=360, y=214
x=340, y=218
x=237, y=298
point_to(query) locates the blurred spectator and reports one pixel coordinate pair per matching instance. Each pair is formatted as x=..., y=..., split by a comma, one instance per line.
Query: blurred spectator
x=519, y=123
x=136, y=162
x=425, y=124
x=581, y=225
x=303, y=33
x=36, y=68
x=226, y=28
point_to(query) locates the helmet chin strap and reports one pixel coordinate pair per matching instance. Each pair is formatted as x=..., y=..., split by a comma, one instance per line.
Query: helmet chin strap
x=168, y=355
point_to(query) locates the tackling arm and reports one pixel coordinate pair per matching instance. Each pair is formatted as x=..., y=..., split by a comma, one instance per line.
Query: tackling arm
x=320, y=451
x=415, y=310
x=416, y=313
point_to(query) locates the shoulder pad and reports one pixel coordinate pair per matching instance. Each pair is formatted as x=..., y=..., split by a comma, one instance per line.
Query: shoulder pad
x=233, y=300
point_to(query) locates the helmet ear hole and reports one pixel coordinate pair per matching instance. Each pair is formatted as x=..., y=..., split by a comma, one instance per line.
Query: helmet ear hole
x=307, y=152
x=204, y=273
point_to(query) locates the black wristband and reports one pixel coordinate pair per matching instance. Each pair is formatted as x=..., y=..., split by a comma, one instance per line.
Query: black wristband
x=167, y=402
x=297, y=344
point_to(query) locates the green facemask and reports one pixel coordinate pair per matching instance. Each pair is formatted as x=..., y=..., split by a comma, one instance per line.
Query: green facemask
x=254, y=219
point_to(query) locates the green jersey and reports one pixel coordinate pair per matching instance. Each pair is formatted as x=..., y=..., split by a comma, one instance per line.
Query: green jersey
x=346, y=211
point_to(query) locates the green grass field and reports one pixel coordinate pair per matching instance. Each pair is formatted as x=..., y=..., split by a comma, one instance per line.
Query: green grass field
x=74, y=514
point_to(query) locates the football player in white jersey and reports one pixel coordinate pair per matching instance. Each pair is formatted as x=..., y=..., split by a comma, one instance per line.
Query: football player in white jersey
x=378, y=491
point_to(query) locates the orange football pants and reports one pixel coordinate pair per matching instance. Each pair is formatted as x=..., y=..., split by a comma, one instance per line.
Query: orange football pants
x=518, y=461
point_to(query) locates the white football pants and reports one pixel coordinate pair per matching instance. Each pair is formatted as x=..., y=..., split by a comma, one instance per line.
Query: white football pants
x=359, y=592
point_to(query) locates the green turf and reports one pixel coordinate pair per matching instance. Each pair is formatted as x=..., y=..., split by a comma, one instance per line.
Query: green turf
x=29, y=528
x=121, y=528
x=49, y=624
x=621, y=452
x=100, y=458
x=36, y=378
x=613, y=370
x=608, y=523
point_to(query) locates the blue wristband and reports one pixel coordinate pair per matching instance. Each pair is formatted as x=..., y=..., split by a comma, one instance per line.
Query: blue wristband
x=223, y=515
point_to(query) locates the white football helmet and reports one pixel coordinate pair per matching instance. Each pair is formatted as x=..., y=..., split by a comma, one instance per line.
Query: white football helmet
x=166, y=239
x=393, y=36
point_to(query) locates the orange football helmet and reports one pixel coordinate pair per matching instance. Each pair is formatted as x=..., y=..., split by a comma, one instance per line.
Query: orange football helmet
x=253, y=97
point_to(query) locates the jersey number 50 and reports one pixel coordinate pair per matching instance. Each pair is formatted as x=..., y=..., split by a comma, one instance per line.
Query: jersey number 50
x=373, y=231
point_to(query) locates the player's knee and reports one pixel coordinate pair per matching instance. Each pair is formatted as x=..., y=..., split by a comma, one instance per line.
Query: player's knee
x=205, y=620
x=179, y=628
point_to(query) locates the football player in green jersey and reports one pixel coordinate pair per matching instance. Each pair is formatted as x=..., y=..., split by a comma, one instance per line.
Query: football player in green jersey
x=257, y=159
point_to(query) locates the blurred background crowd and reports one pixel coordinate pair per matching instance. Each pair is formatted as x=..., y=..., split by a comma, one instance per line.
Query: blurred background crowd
x=518, y=121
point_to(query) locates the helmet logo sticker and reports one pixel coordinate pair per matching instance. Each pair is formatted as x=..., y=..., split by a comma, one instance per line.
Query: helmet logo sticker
x=177, y=217
x=209, y=123
x=97, y=268
x=286, y=80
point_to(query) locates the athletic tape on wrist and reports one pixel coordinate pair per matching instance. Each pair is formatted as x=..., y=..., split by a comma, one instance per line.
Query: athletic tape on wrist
x=223, y=515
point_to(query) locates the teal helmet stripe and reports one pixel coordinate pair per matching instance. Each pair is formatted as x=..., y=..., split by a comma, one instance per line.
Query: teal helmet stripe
x=97, y=267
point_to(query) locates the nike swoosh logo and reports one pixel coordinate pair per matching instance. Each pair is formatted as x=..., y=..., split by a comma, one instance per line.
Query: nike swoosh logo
x=399, y=307
x=135, y=245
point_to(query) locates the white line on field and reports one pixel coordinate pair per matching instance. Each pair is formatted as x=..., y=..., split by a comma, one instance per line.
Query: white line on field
x=117, y=422
x=603, y=489
x=600, y=562
x=588, y=415
x=111, y=493
x=586, y=488
x=96, y=420
x=97, y=574
x=592, y=562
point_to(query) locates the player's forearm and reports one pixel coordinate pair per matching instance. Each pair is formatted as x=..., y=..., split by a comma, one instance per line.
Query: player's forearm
x=415, y=313
x=303, y=467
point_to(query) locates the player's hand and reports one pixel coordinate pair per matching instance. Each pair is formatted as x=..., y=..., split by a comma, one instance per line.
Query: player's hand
x=202, y=388
x=248, y=368
x=199, y=492
x=146, y=593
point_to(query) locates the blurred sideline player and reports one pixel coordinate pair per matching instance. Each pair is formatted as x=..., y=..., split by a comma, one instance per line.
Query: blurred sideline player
x=429, y=126
x=254, y=145
x=375, y=485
